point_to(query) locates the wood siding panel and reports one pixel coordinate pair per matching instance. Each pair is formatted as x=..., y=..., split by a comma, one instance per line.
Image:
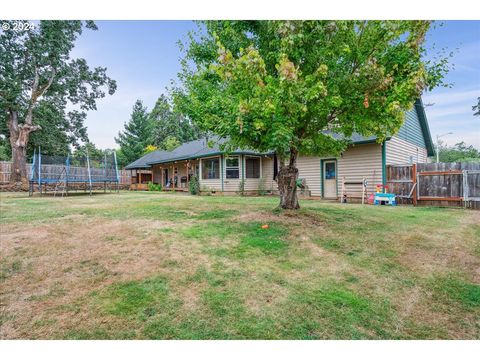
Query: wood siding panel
x=411, y=129
x=361, y=161
x=267, y=173
x=400, y=151
x=309, y=169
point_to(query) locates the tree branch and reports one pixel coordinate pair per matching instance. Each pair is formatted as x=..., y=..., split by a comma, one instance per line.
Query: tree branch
x=37, y=93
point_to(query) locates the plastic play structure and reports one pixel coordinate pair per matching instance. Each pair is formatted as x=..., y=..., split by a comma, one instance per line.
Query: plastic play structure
x=59, y=173
x=382, y=197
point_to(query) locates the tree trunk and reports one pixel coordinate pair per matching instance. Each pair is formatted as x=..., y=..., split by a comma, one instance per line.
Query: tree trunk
x=19, y=134
x=287, y=182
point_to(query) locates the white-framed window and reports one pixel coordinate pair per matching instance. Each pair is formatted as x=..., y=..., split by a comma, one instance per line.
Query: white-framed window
x=211, y=168
x=232, y=167
x=252, y=167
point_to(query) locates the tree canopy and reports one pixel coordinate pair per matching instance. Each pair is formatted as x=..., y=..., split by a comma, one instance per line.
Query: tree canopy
x=169, y=127
x=44, y=90
x=288, y=86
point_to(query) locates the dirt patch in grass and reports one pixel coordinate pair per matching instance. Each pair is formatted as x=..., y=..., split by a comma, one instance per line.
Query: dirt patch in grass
x=62, y=263
x=170, y=266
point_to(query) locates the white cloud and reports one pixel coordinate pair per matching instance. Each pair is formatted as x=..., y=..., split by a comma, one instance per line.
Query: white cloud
x=452, y=96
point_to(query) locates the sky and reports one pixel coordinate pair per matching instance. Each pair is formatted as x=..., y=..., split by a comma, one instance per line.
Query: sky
x=143, y=57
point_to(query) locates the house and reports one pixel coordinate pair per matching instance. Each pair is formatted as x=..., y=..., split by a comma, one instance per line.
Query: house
x=221, y=173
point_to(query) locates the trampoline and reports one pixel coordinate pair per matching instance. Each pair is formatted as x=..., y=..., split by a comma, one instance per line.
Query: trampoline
x=64, y=173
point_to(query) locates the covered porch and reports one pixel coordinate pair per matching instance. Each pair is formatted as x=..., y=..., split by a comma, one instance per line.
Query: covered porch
x=175, y=175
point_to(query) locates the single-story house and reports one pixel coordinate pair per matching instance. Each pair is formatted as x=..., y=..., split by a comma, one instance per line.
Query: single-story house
x=323, y=176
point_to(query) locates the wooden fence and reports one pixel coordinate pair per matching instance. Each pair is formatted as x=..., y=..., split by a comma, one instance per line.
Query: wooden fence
x=437, y=184
x=6, y=168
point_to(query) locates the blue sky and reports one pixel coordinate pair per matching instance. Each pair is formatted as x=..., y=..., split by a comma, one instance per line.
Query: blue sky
x=143, y=56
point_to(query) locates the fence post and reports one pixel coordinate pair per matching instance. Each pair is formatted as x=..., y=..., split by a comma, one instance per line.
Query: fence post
x=465, y=189
x=414, y=184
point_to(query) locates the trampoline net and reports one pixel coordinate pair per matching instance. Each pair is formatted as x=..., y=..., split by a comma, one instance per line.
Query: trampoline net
x=47, y=169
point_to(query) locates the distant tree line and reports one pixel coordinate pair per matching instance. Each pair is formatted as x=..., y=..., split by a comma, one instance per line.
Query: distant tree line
x=458, y=152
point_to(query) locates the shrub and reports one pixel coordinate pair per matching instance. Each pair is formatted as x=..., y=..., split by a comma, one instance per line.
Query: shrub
x=241, y=188
x=194, y=186
x=261, y=187
x=154, y=187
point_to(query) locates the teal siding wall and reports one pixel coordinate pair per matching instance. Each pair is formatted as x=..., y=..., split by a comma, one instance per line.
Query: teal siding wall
x=411, y=130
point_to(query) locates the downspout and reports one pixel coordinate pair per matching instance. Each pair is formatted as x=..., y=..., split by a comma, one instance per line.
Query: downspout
x=384, y=163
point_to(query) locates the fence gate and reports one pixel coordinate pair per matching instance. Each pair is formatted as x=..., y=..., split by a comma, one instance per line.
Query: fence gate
x=437, y=184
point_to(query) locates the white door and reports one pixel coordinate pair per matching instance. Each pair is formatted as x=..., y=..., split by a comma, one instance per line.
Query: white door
x=330, y=179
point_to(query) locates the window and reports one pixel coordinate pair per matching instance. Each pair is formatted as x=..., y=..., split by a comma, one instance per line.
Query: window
x=211, y=168
x=252, y=167
x=330, y=171
x=232, y=168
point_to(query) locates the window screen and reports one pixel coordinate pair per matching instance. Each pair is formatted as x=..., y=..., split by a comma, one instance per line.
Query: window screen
x=252, y=167
x=211, y=168
x=232, y=168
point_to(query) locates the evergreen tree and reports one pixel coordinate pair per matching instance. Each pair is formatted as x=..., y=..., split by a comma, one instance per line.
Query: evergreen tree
x=136, y=136
x=169, y=127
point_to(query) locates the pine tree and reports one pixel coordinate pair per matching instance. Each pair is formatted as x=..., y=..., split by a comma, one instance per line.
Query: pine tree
x=137, y=134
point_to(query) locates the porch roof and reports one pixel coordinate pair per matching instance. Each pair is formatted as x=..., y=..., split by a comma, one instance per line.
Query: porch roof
x=142, y=162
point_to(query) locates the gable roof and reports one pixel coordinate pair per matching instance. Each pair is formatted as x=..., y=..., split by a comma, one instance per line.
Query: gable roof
x=422, y=117
x=415, y=129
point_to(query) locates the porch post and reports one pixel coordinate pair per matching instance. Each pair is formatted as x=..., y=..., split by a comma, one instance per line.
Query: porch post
x=187, y=167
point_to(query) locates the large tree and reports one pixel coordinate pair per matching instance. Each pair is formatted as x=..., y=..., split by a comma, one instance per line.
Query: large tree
x=39, y=80
x=169, y=127
x=287, y=86
x=136, y=136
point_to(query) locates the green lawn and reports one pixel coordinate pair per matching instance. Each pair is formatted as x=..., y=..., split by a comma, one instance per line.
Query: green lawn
x=168, y=266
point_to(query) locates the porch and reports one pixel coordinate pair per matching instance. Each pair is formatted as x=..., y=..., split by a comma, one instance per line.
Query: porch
x=175, y=175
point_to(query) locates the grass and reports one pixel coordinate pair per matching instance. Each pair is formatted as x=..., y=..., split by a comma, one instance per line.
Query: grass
x=170, y=266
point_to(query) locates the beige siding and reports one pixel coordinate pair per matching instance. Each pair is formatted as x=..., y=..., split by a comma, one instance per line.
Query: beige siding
x=309, y=169
x=361, y=161
x=252, y=184
x=399, y=151
x=267, y=173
